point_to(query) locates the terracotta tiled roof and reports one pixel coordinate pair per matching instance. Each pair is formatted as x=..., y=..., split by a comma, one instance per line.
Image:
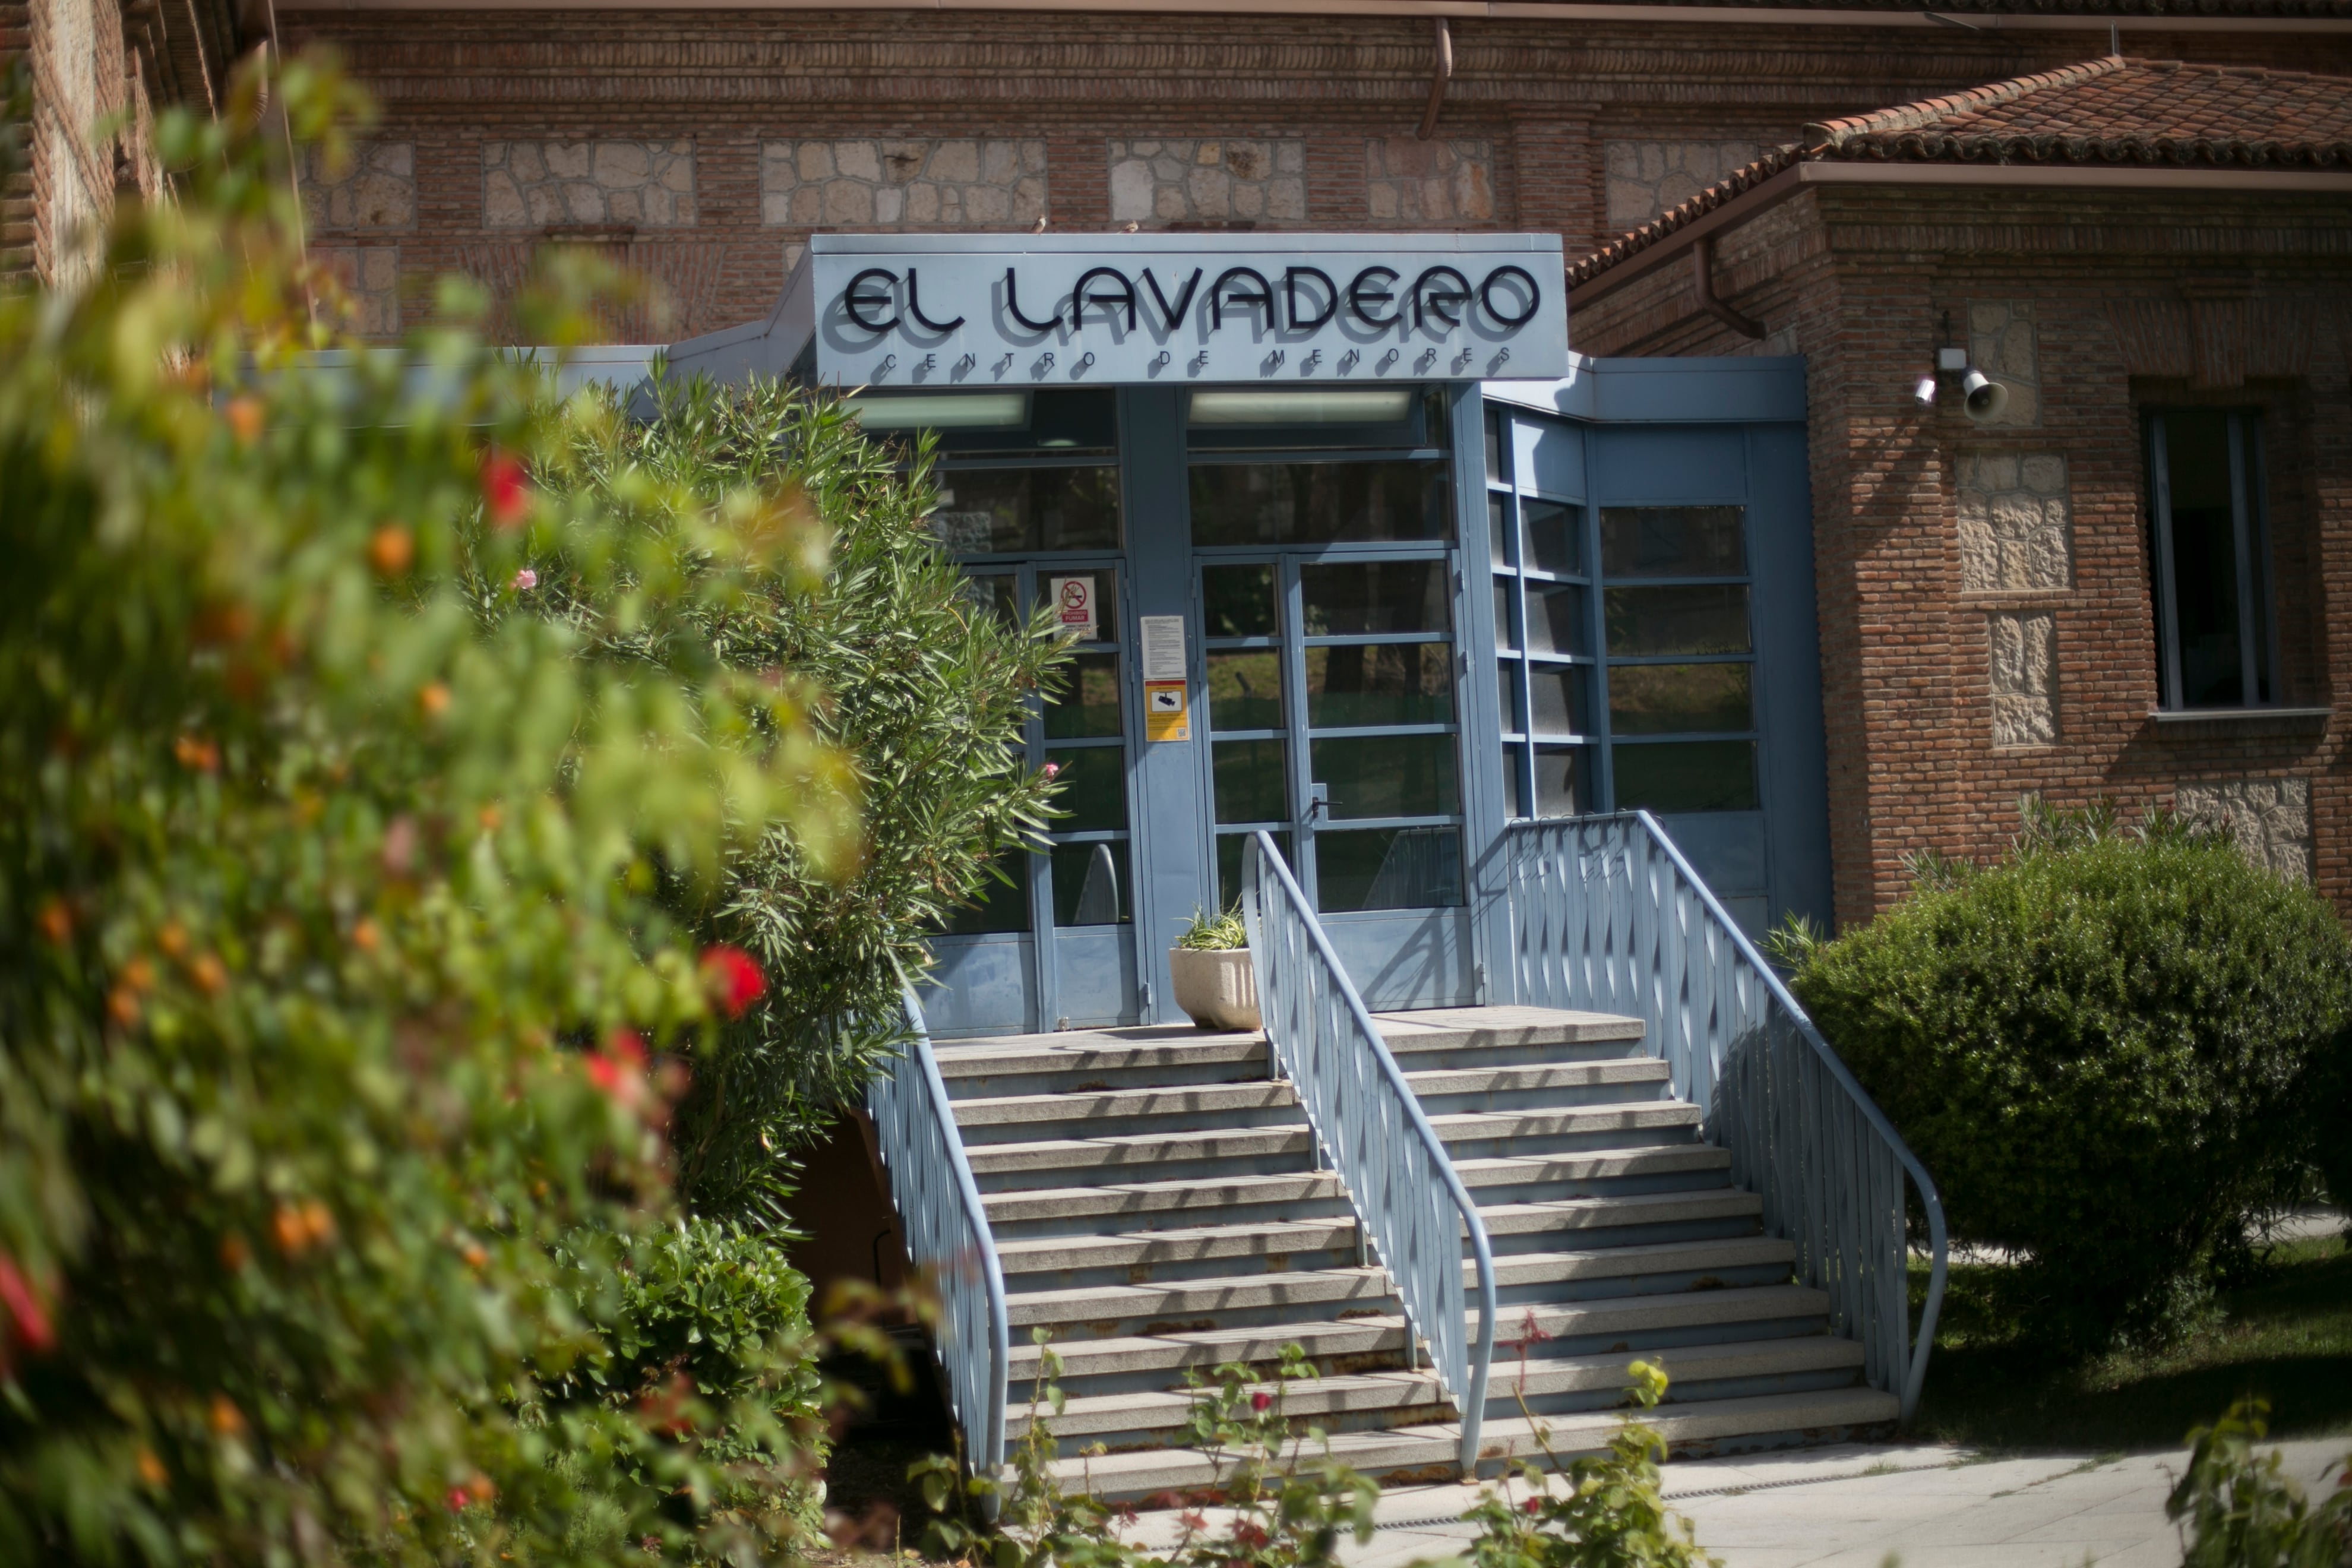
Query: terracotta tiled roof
x=2112, y=112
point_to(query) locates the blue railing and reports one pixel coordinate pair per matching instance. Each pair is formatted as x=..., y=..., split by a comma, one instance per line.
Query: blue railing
x=1412, y=1205
x=946, y=1235
x=1608, y=917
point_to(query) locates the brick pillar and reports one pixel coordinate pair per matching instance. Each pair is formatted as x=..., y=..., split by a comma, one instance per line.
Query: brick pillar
x=1555, y=175
x=1078, y=182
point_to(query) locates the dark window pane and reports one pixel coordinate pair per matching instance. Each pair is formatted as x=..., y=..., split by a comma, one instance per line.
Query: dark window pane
x=1506, y=683
x=1700, y=775
x=1317, y=503
x=1088, y=704
x=1229, y=864
x=1388, y=775
x=1094, y=788
x=1504, y=636
x=1380, y=683
x=2205, y=559
x=1355, y=598
x=1498, y=435
x=1250, y=782
x=1245, y=691
x=1688, y=619
x=1555, y=537
x=996, y=510
x=1556, y=703
x=1498, y=530
x=1388, y=868
x=1670, y=541
x=1090, y=886
x=1514, y=783
x=1557, y=622
x=1563, y=780
x=1237, y=602
x=999, y=906
x=1679, y=699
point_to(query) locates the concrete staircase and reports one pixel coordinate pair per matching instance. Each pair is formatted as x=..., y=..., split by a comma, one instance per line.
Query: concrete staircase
x=1155, y=1206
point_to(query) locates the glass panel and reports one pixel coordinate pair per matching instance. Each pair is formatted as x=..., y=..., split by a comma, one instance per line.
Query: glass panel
x=1555, y=536
x=1229, y=864
x=1505, y=638
x=995, y=593
x=998, y=510
x=1498, y=530
x=1090, y=886
x=1364, y=598
x=1555, y=700
x=1670, y=541
x=1515, y=784
x=1072, y=590
x=1690, y=776
x=2205, y=558
x=1388, y=868
x=1388, y=775
x=999, y=906
x=1088, y=704
x=1245, y=691
x=1687, y=619
x=1317, y=503
x=1557, y=622
x=1506, y=683
x=1380, y=683
x=1679, y=699
x=1564, y=780
x=1251, y=782
x=1495, y=448
x=1094, y=788
x=1237, y=602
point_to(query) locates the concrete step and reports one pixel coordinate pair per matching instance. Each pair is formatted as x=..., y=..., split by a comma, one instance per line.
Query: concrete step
x=1105, y=1312
x=1026, y=1117
x=1592, y=1173
x=1454, y=1088
x=1477, y=1135
x=1098, y=1060
x=1606, y=1326
x=1619, y=1220
x=1654, y=1268
x=1276, y=1245
x=1143, y=1205
x=1366, y=1397
x=1478, y=1037
x=1189, y=1154
x=1430, y=1452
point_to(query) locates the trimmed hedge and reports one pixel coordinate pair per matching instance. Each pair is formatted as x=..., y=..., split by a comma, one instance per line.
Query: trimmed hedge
x=2107, y=1047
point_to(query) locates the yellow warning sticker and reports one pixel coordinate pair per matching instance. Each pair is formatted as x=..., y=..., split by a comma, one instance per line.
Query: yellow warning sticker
x=1163, y=711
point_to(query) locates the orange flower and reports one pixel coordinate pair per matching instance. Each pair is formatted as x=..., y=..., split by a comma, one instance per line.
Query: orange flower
x=196, y=753
x=225, y=1418
x=365, y=936
x=56, y=920
x=210, y=974
x=139, y=975
x=392, y=550
x=244, y=418
x=151, y=1468
x=434, y=700
x=173, y=938
x=122, y=1005
x=234, y=1253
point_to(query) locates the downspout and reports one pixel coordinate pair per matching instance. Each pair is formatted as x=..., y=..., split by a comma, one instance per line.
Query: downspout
x=1441, y=72
x=1702, y=279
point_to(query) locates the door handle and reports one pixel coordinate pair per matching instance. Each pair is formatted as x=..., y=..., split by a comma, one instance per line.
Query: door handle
x=1319, y=802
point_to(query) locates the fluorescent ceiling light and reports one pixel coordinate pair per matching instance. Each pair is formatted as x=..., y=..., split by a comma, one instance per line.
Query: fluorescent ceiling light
x=942, y=411
x=1305, y=405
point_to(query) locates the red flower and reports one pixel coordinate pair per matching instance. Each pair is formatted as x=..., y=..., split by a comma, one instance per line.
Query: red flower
x=1260, y=1400
x=618, y=1072
x=506, y=490
x=733, y=979
x=17, y=1294
x=1534, y=1506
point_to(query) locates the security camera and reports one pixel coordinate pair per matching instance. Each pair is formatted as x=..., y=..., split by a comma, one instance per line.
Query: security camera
x=1982, y=395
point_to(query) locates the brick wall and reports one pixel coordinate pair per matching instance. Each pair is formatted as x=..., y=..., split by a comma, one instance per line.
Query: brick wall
x=1524, y=140
x=1986, y=616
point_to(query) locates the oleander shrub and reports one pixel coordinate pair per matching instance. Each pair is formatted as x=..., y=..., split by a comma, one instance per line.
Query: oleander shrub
x=2107, y=1047
x=2241, y=1509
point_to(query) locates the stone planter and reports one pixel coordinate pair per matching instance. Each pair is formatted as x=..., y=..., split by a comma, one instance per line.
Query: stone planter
x=1216, y=990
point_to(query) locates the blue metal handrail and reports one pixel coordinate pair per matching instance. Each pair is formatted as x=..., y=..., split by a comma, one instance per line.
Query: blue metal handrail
x=1409, y=1203
x=1608, y=917
x=947, y=1234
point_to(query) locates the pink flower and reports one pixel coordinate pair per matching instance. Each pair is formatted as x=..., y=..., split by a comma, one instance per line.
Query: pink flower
x=618, y=1072
x=506, y=488
x=1052, y=769
x=458, y=1499
x=525, y=581
x=733, y=979
x=1260, y=1401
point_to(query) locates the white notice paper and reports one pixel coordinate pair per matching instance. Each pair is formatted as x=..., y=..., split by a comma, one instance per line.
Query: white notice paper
x=1164, y=648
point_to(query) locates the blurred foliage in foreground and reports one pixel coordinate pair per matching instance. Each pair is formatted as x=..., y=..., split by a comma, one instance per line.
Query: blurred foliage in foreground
x=341, y=976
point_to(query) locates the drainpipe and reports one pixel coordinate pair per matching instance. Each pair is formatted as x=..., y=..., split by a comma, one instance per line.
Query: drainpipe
x=1702, y=279
x=1441, y=72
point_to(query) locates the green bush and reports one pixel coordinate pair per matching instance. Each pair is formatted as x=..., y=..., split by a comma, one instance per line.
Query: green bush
x=2244, y=1513
x=2105, y=1047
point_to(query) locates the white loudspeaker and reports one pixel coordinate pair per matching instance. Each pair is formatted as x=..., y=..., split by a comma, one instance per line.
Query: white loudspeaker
x=1983, y=396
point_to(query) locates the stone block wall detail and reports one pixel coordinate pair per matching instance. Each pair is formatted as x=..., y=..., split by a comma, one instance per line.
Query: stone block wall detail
x=1645, y=178
x=636, y=185
x=1207, y=180
x=2001, y=344
x=2024, y=678
x=2269, y=819
x=2015, y=525
x=947, y=183
x=1409, y=181
x=377, y=190
x=369, y=276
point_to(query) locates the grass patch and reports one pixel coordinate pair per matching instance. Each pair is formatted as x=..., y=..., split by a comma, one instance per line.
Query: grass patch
x=2286, y=1335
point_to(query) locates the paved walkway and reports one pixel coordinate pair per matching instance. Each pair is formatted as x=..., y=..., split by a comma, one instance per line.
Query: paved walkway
x=1852, y=1506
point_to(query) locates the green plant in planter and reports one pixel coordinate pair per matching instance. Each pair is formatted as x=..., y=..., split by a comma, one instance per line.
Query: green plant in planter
x=1222, y=932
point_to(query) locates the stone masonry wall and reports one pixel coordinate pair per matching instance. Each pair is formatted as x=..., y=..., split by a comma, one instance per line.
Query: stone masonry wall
x=956, y=183
x=622, y=184
x=1410, y=183
x=1207, y=180
x=1647, y=177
